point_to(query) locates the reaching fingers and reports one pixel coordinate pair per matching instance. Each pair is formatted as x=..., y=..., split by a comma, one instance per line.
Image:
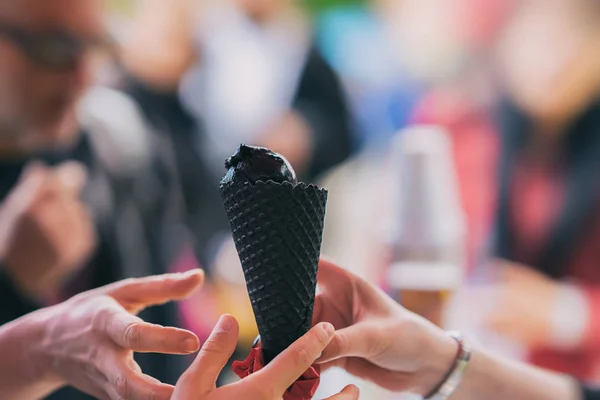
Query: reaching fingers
x=202, y=375
x=330, y=276
x=132, y=333
x=327, y=309
x=334, y=298
x=350, y=392
x=137, y=294
x=287, y=367
x=122, y=381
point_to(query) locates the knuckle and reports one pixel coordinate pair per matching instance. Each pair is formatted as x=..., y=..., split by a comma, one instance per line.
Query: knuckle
x=93, y=360
x=100, y=319
x=121, y=386
x=321, y=337
x=342, y=343
x=213, y=344
x=303, y=356
x=102, y=313
x=132, y=335
x=152, y=395
x=94, y=355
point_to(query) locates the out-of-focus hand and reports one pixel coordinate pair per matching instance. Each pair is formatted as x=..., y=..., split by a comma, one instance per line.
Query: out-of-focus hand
x=524, y=305
x=378, y=340
x=88, y=341
x=47, y=232
x=270, y=383
x=292, y=138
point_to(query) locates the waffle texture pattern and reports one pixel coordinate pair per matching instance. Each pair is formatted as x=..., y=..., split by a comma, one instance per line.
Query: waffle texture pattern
x=278, y=229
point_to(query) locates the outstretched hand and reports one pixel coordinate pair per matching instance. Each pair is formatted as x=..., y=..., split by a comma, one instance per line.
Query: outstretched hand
x=270, y=383
x=88, y=341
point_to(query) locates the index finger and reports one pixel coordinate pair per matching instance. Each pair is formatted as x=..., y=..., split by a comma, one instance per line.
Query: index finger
x=287, y=367
x=136, y=294
x=132, y=333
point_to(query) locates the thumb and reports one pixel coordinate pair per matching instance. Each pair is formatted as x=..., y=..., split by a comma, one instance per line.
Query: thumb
x=71, y=176
x=201, y=376
x=358, y=340
x=137, y=294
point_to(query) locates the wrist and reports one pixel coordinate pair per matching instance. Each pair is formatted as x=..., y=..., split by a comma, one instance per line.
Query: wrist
x=37, y=345
x=438, y=362
x=28, y=374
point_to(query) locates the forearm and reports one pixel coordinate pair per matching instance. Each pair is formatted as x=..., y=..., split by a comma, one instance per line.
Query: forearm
x=23, y=369
x=494, y=378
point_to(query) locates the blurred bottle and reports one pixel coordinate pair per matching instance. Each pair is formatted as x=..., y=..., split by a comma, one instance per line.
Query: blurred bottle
x=428, y=225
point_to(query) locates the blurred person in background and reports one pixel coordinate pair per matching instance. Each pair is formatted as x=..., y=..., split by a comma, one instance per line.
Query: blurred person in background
x=527, y=170
x=86, y=199
x=211, y=75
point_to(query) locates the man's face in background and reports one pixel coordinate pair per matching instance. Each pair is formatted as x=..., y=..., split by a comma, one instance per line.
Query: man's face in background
x=45, y=66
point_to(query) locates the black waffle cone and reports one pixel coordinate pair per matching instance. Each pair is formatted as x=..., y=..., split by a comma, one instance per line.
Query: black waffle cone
x=277, y=229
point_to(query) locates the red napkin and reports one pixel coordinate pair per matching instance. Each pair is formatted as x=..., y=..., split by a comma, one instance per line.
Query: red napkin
x=303, y=389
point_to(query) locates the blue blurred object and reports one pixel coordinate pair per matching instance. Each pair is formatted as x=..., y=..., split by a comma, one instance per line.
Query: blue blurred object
x=319, y=6
x=354, y=42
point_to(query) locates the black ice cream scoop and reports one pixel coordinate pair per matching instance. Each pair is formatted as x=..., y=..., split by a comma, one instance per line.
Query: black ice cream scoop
x=253, y=164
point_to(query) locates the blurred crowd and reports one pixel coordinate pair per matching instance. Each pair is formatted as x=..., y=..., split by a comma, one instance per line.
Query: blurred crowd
x=457, y=138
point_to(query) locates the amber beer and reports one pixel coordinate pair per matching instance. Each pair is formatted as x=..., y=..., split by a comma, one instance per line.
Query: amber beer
x=428, y=226
x=424, y=286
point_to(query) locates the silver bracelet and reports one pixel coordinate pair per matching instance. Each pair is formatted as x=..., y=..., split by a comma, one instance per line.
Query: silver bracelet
x=450, y=384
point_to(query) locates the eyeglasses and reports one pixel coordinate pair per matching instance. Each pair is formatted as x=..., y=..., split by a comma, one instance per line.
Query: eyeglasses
x=58, y=51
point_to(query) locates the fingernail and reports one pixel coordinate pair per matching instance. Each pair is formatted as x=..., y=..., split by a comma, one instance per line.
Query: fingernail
x=189, y=273
x=225, y=324
x=328, y=329
x=190, y=345
x=181, y=276
x=355, y=389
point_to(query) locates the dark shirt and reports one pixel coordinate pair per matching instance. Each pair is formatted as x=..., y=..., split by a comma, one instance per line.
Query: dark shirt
x=591, y=393
x=204, y=214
